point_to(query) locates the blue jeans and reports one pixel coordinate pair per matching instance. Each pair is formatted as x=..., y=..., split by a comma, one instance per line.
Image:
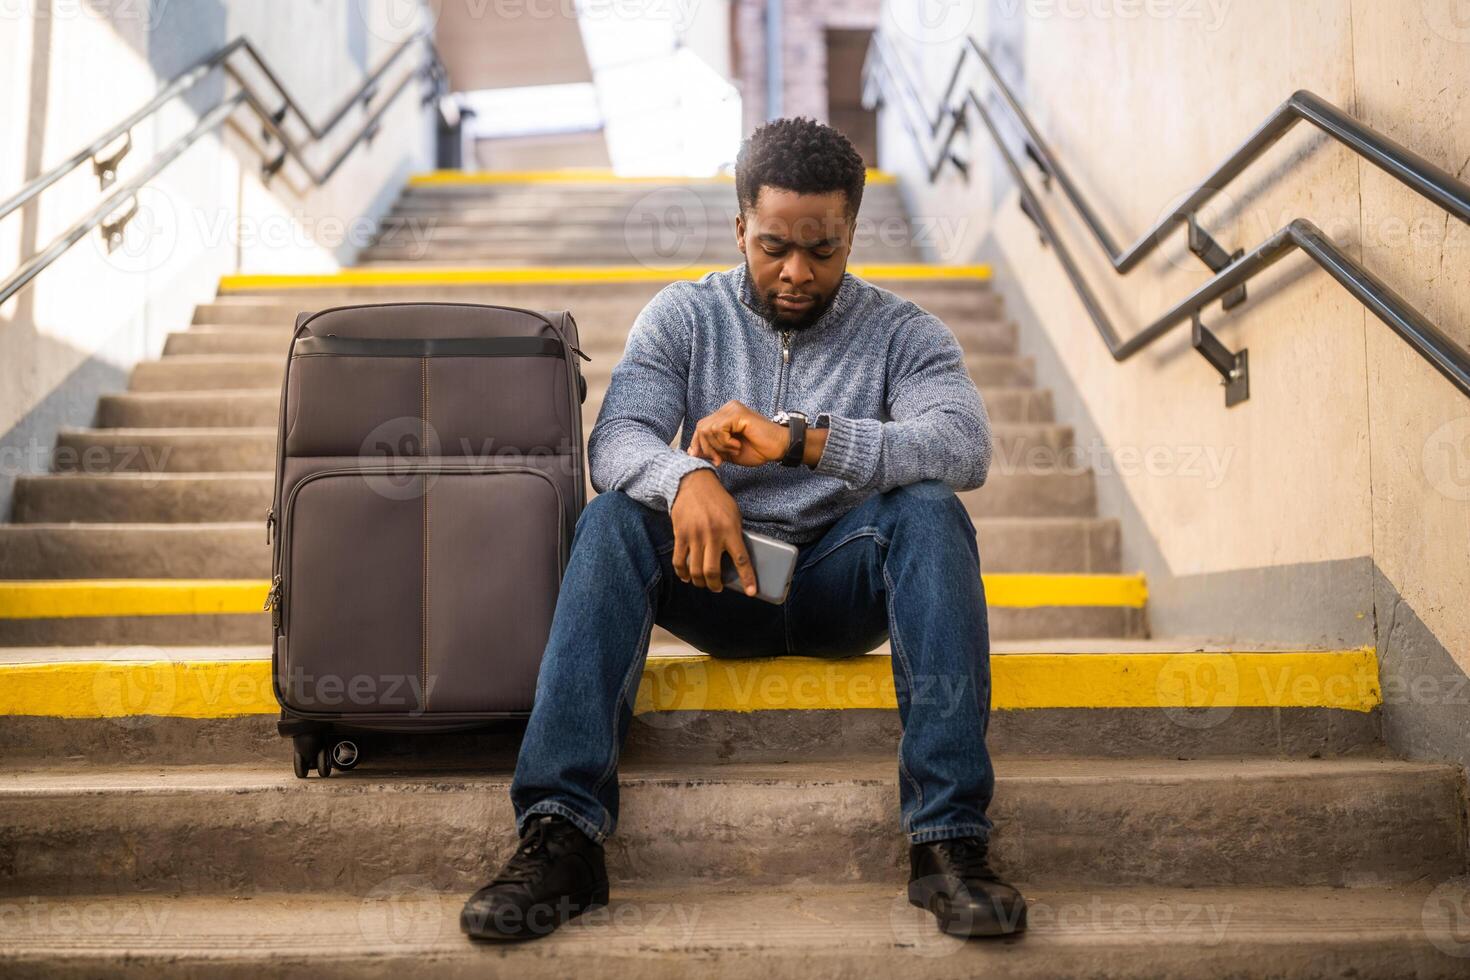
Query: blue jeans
x=902, y=566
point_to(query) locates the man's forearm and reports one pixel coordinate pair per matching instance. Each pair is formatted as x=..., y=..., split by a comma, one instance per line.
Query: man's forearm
x=877, y=455
x=935, y=428
x=627, y=456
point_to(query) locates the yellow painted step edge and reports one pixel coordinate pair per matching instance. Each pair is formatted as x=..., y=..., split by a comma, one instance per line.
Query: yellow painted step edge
x=78, y=598
x=581, y=175
x=552, y=275
x=1341, y=679
x=1345, y=679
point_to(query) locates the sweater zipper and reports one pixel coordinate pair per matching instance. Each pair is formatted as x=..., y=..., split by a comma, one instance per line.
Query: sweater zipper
x=785, y=364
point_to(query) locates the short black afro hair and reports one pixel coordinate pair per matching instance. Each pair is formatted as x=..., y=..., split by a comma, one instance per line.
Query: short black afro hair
x=801, y=155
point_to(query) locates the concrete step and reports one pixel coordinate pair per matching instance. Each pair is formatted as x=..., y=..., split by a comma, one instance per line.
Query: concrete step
x=255, y=628
x=273, y=339
x=599, y=219
x=238, y=549
x=173, y=705
x=601, y=338
x=579, y=294
x=452, y=225
x=210, y=372
x=1059, y=822
x=159, y=450
x=1006, y=624
x=251, y=408
x=591, y=218
x=211, y=551
x=218, y=597
x=137, y=631
x=593, y=314
x=783, y=933
x=229, y=495
x=1041, y=446
x=620, y=299
x=659, y=242
x=674, y=211
x=206, y=372
x=874, y=192
x=155, y=497
x=256, y=408
x=612, y=250
x=569, y=197
x=877, y=183
x=570, y=201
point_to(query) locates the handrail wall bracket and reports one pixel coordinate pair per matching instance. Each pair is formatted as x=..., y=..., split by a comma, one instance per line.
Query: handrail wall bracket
x=1213, y=255
x=112, y=231
x=105, y=168
x=267, y=133
x=1234, y=366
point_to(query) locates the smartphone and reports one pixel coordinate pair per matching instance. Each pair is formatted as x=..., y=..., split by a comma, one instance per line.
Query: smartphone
x=772, y=560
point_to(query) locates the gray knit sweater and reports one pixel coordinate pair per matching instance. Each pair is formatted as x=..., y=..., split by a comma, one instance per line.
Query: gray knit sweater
x=891, y=374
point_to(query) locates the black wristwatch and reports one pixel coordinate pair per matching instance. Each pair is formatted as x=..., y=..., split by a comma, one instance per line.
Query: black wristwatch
x=798, y=424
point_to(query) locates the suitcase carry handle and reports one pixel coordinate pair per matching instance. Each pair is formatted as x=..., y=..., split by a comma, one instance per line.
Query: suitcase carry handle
x=429, y=346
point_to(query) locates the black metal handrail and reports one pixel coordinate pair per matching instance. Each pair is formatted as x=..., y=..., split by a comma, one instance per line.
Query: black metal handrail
x=272, y=120
x=1232, y=271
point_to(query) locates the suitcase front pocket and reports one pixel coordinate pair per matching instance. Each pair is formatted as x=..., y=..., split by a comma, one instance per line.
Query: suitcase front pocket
x=422, y=588
x=346, y=395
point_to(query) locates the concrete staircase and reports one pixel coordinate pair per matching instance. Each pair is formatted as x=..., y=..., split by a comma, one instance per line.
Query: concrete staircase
x=1171, y=807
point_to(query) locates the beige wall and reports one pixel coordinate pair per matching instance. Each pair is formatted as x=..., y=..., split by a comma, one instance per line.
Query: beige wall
x=68, y=70
x=1352, y=453
x=500, y=45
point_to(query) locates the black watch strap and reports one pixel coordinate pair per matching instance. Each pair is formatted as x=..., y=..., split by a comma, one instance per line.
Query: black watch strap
x=796, y=423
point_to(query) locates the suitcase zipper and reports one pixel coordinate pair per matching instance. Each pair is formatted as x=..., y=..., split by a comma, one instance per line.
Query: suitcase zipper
x=273, y=602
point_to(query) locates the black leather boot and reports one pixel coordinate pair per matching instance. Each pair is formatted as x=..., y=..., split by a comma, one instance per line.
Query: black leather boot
x=556, y=874
x=953, y=880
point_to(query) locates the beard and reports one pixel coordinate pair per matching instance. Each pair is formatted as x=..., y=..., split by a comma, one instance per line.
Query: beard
x=765, y=303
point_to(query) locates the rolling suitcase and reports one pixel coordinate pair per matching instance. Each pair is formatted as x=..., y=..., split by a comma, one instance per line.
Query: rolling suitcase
x=429, y=475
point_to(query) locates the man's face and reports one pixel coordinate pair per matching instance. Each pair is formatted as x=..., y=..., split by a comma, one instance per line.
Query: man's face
x=796, y=248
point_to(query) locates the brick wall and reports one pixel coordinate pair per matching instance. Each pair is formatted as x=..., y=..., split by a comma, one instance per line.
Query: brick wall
x=804, y=53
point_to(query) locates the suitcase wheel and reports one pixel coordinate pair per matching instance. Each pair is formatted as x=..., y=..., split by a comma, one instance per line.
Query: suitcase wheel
x=311, y=751
x=345, y=755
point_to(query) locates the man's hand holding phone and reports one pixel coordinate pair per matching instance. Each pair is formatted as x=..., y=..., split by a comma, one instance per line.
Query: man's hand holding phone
x=706, y=518
x=707, y=526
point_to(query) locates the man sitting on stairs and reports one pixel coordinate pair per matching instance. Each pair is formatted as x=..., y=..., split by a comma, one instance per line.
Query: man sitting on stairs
x=886, y=548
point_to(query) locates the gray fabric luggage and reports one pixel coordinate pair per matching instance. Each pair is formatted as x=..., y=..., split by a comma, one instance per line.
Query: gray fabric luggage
x=429, y=474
